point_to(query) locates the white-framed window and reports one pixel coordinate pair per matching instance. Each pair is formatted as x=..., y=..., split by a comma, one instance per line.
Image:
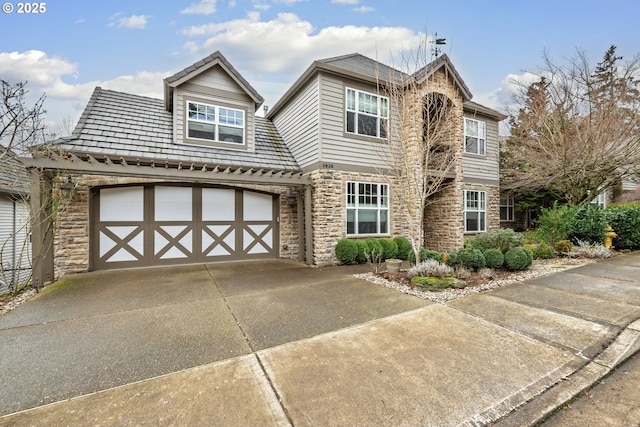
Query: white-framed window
x=474, y=136
x=367, y=208
x=475, y=211
x=600, y=200
x=366, y=113
x=214, y=123
x=506, y=208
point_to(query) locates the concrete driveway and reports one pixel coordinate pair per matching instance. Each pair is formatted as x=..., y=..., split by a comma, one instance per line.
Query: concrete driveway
x=94, y=331
x=278, y=343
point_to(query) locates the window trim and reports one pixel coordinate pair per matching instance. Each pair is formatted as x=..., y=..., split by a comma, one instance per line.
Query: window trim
x=382, y=205
x=510, y=208
x=482, y=138
x=216, y=123
x=357, y=111
x=482, y=208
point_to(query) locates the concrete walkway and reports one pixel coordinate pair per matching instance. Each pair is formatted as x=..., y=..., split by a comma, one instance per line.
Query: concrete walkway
x=280, y=343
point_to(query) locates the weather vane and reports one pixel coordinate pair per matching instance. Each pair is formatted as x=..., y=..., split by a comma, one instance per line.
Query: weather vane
x=437, y=42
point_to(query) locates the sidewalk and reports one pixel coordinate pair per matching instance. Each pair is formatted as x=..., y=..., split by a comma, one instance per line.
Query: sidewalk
x=511, y=355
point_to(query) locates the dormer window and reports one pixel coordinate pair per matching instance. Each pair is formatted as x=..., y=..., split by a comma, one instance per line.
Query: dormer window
x=367, y=113
x=208, y=122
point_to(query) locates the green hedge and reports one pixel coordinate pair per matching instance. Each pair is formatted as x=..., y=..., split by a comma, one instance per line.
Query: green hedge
x=625, y=221
x=346, y=251
x=404, y=247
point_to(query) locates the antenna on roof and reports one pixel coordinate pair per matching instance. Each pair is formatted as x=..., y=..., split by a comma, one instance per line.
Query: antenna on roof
x=437, y=42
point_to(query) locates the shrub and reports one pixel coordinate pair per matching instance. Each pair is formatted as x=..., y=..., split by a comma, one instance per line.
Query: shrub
x=516, y=259
x=502, y=238
x=555, y=222
x=529, y=253
x=564, y=246
x=588, y=224
x=452, y=259
x=494, y=258
x=430, y=267
x=374, y=253
x=346, y=251
x=389, y=248
x=544, y=251
x=404, y=247
x=424, y=255
x=625, y=221
x=532, y=237
x=361, y=258
x=588, y=250
x=437, y=284
x=471, y=258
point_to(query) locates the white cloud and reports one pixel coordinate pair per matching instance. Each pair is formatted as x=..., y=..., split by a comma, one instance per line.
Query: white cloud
x=56, y=78
x=345, y=1
x=133, y=22
x=363, y=9
x=203, y=7
x=288, y=44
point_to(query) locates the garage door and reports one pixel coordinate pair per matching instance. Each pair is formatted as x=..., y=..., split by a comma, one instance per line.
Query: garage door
x=140, y=226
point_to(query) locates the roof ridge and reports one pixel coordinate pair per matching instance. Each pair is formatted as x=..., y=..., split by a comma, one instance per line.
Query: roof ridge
x=85, y=113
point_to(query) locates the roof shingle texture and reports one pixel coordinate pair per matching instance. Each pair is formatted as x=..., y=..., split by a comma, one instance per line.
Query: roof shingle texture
x=137, y=127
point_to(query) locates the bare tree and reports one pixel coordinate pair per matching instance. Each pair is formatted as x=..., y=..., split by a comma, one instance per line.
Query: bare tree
x=20, y=126
x=421, y=148
x=577, y=130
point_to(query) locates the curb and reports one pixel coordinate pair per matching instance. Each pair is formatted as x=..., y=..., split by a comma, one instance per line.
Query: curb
x=625, y=345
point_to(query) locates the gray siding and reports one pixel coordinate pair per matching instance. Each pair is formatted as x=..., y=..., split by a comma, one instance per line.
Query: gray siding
x=15, y=256
x=298, y=123
x=485, y=168
x=338, y=146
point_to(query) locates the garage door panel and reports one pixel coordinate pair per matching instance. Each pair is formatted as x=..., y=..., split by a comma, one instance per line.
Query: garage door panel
x=164, y=224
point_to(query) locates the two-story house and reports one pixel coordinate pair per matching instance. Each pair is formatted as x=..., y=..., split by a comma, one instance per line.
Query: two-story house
x=199, y=177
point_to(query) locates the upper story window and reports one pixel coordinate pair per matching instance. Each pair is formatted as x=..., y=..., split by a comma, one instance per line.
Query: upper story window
x=474, y=136
x=214, y=123
x=367, y=208
x=367, y=113
x=506, y=208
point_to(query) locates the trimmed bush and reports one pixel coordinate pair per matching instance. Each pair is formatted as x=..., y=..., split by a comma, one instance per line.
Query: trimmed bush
x=361, y=258
x=529, y=253
x=404, y=247
x=516, y=259
x=437, y=284
x=502, y=238
x=346, y=251
x=564, y=246
x=625, y=221
x=588, y=224
x=494, y=258
x=374, y=250
x=471, y=258
x=544, y=251
x=389, y=248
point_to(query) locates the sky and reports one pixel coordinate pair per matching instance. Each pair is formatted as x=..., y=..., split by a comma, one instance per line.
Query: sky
x=72, y=46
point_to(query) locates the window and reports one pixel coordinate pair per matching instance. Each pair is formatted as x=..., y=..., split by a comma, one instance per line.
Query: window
x=600, y=200
x=474, y=136
x=367, y=208
x=506, y=208
x=214, y=123
x=475, y=211
x=367, y=114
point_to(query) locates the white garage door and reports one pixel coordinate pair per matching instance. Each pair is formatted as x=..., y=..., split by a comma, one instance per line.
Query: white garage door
x=138, y=226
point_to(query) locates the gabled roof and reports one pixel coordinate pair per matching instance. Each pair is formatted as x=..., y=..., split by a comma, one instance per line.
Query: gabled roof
x=200, y=67
x=14, y=178
x=360, y=67
x=136, y=128
x=476, y=108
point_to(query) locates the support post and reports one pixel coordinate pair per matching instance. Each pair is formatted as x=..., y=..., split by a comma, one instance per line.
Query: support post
x=308, y=225
x=41, y=232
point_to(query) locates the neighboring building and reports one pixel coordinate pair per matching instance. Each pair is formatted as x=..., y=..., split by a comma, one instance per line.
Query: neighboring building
x=198, y=177
x=15, y=246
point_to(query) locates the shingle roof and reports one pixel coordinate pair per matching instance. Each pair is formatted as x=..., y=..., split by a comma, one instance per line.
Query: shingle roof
x=137, y=127
x=14, y=177
x=358, y=63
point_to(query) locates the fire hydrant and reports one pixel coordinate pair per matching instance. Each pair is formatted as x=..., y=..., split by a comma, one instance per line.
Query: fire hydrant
x=609, y=235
